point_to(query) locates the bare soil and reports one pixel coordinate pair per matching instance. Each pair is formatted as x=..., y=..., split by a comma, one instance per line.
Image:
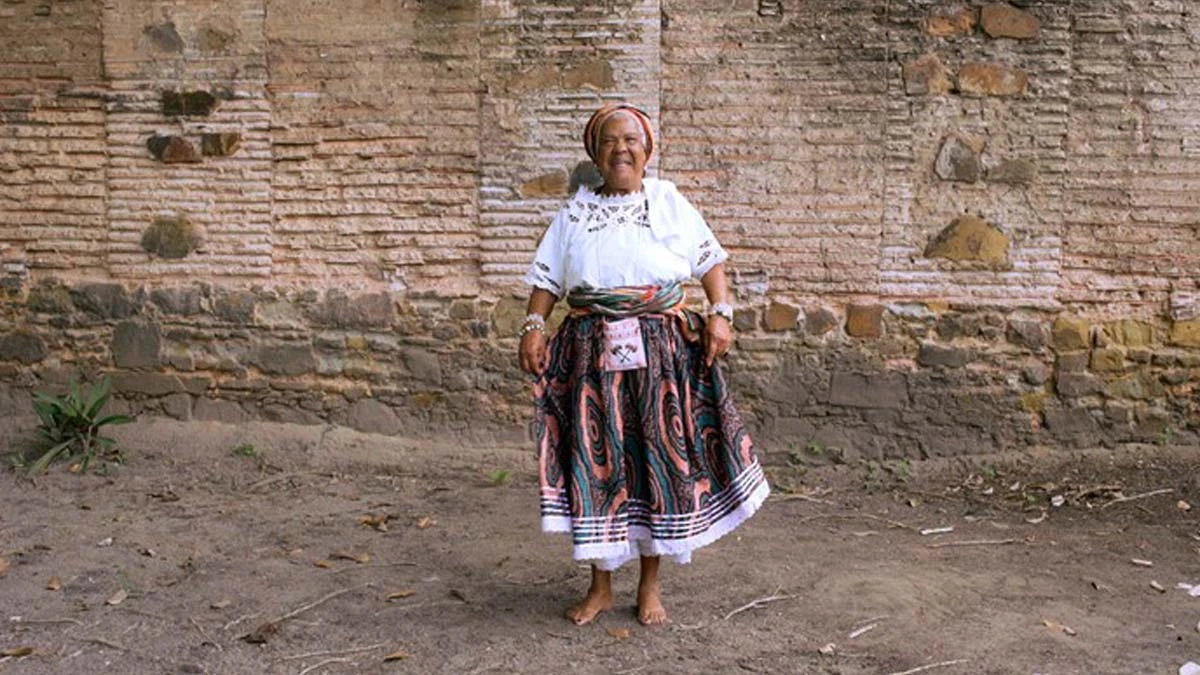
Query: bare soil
x=269, y=548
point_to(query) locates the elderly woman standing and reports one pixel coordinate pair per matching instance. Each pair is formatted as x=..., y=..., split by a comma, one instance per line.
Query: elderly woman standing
x=641, y=451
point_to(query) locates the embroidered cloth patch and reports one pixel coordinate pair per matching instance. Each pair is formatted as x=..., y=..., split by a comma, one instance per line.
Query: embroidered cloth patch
x=623, y=346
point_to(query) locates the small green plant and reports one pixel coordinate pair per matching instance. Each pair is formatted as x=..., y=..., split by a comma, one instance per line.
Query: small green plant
x=1165, y=436
x=815, y=448
x=499, y=477
x=72, y=423
x=989, y=472
x=245, y=450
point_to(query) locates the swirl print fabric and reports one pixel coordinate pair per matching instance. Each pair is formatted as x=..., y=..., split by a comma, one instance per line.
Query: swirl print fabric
x=654, y=461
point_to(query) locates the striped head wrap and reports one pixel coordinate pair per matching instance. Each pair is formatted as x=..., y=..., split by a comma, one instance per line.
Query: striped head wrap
x=591, y=132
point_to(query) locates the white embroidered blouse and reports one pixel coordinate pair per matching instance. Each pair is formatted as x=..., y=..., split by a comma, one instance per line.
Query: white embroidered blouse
x=651, y=237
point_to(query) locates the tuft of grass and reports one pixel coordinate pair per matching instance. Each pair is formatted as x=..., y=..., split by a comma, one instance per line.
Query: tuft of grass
x=499, y=477
x=72, y=423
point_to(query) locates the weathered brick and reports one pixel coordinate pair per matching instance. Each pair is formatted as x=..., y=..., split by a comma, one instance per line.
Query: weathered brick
x=373, y=417
x=236, y=307
x=1013, y=172
x=745, y=319
x=1027, y=333
x=220, y=144
x=365, y=311
x=1108, y=360
x=423, y=365
x=216, y=410
x=150, y=384
x=181, y=301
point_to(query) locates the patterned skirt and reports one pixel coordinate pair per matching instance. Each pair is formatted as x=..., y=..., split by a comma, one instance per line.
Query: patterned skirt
x=654, y=461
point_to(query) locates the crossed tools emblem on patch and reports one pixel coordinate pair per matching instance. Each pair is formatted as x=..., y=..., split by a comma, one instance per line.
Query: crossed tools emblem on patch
x=624, y=353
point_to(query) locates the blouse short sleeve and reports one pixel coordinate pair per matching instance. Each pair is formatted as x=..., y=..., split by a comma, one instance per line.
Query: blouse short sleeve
x=548, y=270
x=705, y=251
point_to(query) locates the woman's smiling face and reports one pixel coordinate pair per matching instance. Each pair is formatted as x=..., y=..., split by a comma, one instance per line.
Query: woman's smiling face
x=621, y=157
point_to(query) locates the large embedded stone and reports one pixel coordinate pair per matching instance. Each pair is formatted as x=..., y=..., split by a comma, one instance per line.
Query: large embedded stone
x=183, y=301
x=594, y=74
x=368, y=310
x=236, y=307
x=1185, y=333
x=1076, y=425
x=190, y=103
x=216, y=410
x=953, y=22
x=1071, y=334
x=508, y=315
x=22, y=347
x=107, y=301
x=864, y=320
x=49, y=300
x=285, y=359
x=1013, y=172
x=926, y=75
x=1027, y=333
x=1131, y=333
x=959, y=161
x=553, y=184
x=371, y=416
x=172, y=149
x=969, y=239
x=1075, y=385
x=178, y=406
x=991, y=79
x=172, y=238
x=1002, y=20
x=423, y=365
x=781, y=316
x=212, y=40
x=1108, y=360
x=933, y=354
x=224, y=144
x=881, y=390
x=819, y=320
x=150, y=384
x=136, y=344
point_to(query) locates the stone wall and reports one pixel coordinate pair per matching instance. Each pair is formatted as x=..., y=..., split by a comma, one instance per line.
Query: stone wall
x=956, y=227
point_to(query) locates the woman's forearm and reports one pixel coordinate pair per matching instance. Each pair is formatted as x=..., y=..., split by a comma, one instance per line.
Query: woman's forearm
x=715, y=285
x=541, y=302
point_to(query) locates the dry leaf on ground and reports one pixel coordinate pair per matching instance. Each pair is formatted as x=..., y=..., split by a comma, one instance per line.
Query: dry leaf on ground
x=397, y=655
x=54, y=584
x=619, y=633
x=323, y=564
x=379, y=522
x=401, y=594
x=1142, y=563
x=360, y=558
x=118, y=597
x=3, y=567
x=1054, y=625
x=424, y=522
x=16, y=652
x=221, y=604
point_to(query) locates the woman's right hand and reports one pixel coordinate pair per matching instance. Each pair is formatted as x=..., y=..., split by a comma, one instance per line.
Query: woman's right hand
x=532, y=351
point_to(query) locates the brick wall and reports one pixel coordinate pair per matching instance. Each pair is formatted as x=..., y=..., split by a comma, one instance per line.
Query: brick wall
x=955, y=226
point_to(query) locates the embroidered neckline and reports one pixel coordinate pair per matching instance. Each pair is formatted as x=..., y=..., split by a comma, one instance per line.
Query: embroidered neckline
x=614, y=199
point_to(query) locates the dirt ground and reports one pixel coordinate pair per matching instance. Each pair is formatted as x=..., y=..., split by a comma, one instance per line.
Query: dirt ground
x=262, y=548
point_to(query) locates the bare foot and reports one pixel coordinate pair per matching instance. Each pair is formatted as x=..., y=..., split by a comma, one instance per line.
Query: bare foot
x=650, y=608
x=596, y=601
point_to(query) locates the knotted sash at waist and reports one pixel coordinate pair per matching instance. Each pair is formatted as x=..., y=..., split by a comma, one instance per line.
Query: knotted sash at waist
x=626, y=301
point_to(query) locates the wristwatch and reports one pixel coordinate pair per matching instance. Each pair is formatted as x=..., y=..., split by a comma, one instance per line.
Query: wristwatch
x=722, y=309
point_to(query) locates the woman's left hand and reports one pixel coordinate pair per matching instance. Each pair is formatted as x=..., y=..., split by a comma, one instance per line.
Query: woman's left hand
x=718, y=338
